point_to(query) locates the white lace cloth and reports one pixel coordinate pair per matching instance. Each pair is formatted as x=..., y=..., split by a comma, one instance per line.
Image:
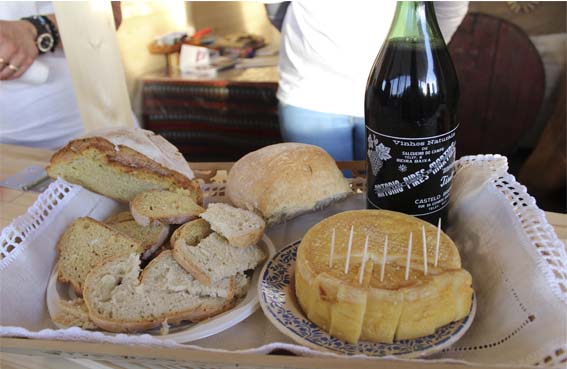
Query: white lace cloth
x=518, y=264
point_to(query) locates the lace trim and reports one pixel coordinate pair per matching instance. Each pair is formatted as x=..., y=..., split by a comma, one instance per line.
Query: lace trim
x=552, y=262
x=558, y=358
x=27, y=226
x=493, y=162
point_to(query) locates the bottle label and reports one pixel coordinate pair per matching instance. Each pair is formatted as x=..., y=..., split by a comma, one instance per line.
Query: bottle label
x=411, y=175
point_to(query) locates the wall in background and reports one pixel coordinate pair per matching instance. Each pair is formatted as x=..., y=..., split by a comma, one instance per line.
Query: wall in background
x=233, y=16
x=141, y=22
x=534, y=17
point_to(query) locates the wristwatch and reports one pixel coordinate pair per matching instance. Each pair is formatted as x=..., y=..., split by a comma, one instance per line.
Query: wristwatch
x=47, y=35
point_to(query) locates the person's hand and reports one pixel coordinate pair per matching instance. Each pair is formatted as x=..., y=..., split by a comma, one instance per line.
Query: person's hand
x=18, y=49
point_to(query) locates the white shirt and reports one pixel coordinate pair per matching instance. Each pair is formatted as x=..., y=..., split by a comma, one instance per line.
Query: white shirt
x=44, y=115
x=328, y=48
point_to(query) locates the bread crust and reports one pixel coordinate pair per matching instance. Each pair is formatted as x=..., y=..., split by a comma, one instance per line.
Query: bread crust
x=123, y=159
x=195, y=315
x=281, y=181
x=123, y=216
x=153, y=248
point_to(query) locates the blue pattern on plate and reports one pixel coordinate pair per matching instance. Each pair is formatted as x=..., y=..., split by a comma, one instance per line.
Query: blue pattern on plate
x=273, y=286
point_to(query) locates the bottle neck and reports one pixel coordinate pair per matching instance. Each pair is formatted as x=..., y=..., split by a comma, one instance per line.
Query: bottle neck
x=415, y=21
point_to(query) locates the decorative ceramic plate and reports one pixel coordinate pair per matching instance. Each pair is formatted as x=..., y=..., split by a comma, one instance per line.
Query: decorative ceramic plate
x=187, y=332
x=280, y=306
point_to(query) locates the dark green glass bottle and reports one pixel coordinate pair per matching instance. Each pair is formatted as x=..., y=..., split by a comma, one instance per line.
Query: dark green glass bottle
x=410, y=113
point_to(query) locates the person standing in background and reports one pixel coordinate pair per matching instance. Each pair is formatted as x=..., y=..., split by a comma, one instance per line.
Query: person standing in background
x=326, y=53
x=42, y=115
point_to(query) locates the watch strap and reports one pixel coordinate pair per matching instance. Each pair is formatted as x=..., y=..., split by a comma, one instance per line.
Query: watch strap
x=53, y=29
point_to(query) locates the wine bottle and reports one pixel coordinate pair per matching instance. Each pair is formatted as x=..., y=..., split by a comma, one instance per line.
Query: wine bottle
x=410, y=113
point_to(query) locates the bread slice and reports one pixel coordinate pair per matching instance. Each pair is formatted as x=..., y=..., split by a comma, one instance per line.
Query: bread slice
x=120, y=300
x=74, y=313
x=242, y=228
x=190, y=233
x=166, y=207
x=123, y=216
x=84, y=244
x=116, y=171
x=151, y=237
x=213, y=258
x=242, y=282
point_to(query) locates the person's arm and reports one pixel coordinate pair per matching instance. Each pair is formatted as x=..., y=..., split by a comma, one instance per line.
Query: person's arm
x=18, y=48
x=450, y=14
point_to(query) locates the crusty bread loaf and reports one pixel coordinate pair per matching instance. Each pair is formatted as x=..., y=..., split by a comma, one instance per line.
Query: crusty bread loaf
x=151, y=237
x=212, y=259
x=116, y=171
x=74, y=313
x=166, y=207
x=84, y=244
x=119, y=300
x=242, y=228
x=284, y=180
x=148, y=143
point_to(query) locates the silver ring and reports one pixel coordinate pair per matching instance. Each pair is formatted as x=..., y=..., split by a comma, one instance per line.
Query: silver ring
x=13, y=67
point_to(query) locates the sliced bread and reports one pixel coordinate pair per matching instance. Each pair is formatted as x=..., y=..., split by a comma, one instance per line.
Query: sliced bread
x=213, y=258
x=166, y=207
x=74, y=313
x=242, y=282
x=123, y=216
x=191, y=233
x=116, y=171
x=242, y=228
x=120, y=301
x=151, y=237
x=84, y=244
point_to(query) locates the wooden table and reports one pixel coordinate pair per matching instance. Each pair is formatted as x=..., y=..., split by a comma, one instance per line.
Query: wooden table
x=14, y=159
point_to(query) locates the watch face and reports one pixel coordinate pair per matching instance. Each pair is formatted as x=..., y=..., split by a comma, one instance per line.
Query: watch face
x=45, y=42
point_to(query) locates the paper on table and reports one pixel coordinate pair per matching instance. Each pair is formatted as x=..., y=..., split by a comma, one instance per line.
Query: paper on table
x=521, y=304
